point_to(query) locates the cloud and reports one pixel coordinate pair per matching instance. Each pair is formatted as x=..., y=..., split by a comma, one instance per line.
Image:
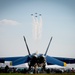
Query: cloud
x=8, y=22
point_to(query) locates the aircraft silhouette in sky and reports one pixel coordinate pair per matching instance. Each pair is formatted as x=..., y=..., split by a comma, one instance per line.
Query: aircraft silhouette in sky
x=39, y=60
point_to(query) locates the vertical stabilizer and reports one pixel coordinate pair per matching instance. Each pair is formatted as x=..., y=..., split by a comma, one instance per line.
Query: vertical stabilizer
x=26, y=45
x=48, y=46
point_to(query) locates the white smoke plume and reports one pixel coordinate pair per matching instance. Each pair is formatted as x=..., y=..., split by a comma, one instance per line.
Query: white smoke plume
x=37, y=26
x=40, y=27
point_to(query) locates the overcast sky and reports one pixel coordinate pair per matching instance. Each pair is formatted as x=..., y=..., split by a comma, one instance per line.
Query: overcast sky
x=58, y=21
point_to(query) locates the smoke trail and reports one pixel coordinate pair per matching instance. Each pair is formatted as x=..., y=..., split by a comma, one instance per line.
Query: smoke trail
x=40, y=27
x=34, y=27
x=37, y=27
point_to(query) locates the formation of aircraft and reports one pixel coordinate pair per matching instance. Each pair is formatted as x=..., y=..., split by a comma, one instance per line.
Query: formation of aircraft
x=39, y=60
x=36, y=14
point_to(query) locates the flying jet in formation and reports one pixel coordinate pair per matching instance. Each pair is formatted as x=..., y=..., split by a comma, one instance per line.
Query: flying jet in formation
x=39, y=60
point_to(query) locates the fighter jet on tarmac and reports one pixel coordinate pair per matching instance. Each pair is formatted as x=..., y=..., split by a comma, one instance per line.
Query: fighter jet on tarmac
x=39, y=60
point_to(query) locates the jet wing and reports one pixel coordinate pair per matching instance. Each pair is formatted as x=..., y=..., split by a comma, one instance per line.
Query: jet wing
x=53, y=61
x=67, y=60
x=16, y=60
x=9, y=58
